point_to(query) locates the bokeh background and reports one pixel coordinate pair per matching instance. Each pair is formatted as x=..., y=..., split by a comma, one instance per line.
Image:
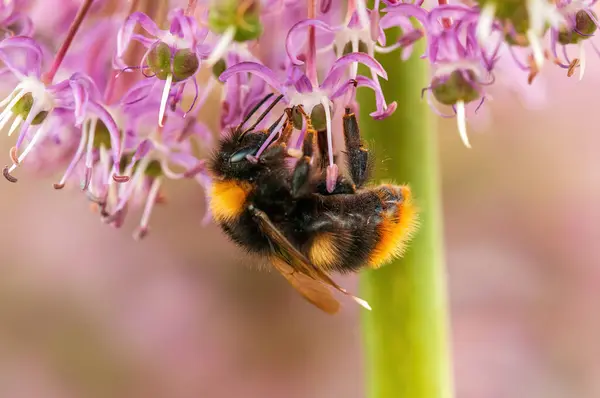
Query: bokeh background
x=85, y=311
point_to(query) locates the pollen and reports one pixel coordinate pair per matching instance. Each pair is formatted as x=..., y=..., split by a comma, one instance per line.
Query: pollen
x=228, y=198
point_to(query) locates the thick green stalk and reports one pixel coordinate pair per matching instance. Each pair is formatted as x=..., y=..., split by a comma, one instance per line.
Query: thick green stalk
x=406, y=335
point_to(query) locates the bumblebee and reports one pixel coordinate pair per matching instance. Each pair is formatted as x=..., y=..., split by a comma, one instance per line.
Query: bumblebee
x=287, y=214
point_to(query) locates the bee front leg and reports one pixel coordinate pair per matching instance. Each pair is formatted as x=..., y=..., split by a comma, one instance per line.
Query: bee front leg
x=356, y=153
x=303, y=169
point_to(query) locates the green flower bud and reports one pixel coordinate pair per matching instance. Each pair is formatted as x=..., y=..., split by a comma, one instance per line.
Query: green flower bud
x=124, y=162
x=317, y=117
x=23, y=107
x=362, y=48
x=243, y=16
x=154, y=169
x=159, y=60
x=102, y=136
x=455, y=87
x=516, y=13
x=583, y=24
x=185, y=64
x=219, y=67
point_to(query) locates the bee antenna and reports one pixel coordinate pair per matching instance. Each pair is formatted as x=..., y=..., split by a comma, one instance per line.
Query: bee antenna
x=274, y=125
x=264, y=114
x=253, y=111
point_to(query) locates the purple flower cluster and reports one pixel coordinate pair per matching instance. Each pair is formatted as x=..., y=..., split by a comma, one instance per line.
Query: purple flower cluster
x=113, y=100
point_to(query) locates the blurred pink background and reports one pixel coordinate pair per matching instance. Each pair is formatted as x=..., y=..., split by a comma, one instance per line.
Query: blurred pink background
x=85, y=311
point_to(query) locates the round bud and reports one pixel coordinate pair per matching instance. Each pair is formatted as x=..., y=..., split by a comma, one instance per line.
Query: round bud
x=513, y=12
x=362, y=48
x=243, y=16
x=39, y=118
x=159, y=60
x=126, y=159
x=219, y=67
x=297, y=118
x=23, y=106
x=448, y=90
x=584, y=28
x=102, y=136
x=185, y=64
x=317, y=117
x=154, y=169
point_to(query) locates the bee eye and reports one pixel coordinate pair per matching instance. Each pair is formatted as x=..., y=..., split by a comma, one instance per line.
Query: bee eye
x=241, y=155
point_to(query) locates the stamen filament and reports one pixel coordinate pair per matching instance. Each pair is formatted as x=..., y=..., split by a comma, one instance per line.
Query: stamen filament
x=461, y=117
x=74, y=162
x=150, y=202
x=40, y=132
x=164, y=99
x=221, y=46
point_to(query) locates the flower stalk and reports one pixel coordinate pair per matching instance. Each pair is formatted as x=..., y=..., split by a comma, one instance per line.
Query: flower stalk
x=62, y=51
x=406, y=335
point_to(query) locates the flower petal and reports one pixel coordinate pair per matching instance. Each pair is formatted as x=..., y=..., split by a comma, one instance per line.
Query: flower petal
x=126, y=32
x=256, y=69
x=290, y=44
x=334, y=73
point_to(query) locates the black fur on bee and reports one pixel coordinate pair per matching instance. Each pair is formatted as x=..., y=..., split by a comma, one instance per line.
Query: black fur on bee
x=286, y=213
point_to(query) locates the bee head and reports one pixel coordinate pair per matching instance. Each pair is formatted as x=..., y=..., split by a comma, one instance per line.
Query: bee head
x=234, y=158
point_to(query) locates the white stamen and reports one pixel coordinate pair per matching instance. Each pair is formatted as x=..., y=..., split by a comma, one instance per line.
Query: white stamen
x=6, y=114
x=354, y=68
x=16, y=123
x=150, y=201
x=536, y=47
x=89, y=129
x=76, y=159
x=486, y=19
x=40, y=132
x=164, y=99
x=134, y=184
x=10, y=97
x=461, y=118
x=325, y=103
x=581, y=61
x=221, y=46
x=168, y=172
x=388, y=49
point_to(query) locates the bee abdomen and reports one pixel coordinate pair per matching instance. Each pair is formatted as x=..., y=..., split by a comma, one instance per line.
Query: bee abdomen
x=398, y=220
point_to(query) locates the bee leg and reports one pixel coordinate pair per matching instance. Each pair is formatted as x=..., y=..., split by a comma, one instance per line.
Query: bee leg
x=357, y=154
x=302, y=170
x=286, y=130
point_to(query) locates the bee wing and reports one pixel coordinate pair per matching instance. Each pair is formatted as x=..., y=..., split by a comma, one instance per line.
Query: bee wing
x=312, y=290
x=298, y=262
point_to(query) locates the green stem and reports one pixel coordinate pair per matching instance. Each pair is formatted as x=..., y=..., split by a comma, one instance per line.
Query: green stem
x=406, y=334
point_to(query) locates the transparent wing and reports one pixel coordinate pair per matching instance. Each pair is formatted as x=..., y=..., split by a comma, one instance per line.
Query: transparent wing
x=295, y=267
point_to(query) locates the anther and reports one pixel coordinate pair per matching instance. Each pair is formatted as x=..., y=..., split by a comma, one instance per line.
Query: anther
x=572, y=66
x=14, y=155
x=58, y=186
x=7, y=175
x=120, y=179
x=140, y=233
